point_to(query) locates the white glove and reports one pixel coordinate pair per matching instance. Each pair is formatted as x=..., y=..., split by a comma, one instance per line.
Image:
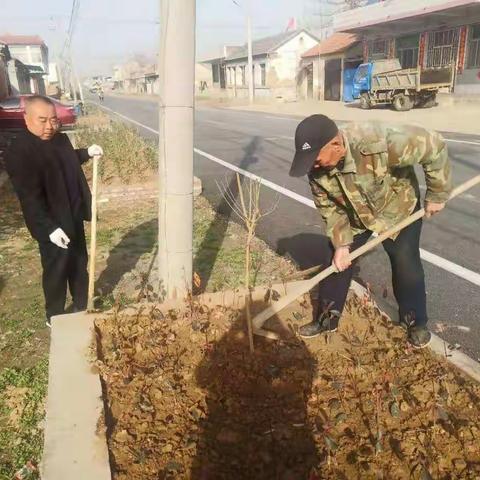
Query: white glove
x=94, y=150
x=59, y=238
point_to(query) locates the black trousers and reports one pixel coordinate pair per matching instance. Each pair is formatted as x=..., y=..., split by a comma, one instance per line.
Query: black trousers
x=62, y=267
x=408, y=278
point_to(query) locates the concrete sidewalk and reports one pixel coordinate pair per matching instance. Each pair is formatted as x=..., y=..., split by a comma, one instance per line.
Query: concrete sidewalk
x=448, y=116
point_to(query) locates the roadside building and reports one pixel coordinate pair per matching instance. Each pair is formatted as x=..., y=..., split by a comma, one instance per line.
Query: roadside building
x=430, y=34
x=4, y=82
x=216, y=62
x=32, y=51
x=276, y=66
x=20, y=77
x=328, y=68
x=152, y=84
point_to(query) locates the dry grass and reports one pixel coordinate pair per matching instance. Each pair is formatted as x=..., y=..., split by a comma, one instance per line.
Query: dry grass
x=128, y=157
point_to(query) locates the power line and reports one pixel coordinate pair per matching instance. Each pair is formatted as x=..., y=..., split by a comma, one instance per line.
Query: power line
x=71, y=27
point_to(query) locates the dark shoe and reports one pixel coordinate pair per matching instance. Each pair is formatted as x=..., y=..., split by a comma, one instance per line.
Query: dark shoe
x=325, y=323
x=419, y=337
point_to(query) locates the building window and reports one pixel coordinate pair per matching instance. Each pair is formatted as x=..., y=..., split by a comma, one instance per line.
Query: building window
x=473, y=60
x=379, y=46
x=442, y=48
x=263, y=73
x=378, y=49
x=36, y=56
x=408, y=57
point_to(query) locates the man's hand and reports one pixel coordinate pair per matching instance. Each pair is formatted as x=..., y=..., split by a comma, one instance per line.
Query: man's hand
x=95, y=150
x=340, y=259
x=433, y=208
x=59, y=238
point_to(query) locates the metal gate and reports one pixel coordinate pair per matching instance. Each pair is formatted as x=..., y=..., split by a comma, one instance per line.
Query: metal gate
x=333, y=79
x=442, y=48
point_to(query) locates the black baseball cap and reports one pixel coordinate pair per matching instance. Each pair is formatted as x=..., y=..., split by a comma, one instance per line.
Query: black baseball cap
x=311, y=136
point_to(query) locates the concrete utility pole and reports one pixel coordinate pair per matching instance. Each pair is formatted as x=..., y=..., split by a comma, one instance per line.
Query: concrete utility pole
x=60, y=74
x=72, y=85
x=177, y=75
x=251, y=79
x=76, y=80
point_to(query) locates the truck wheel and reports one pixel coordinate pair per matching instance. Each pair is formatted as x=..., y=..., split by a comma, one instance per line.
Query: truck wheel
x=402, y=103
x=365, y=103
x=429, y=102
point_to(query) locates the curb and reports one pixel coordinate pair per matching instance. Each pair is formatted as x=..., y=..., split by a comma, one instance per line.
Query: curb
x=75, y=444
x=197, y=187
x=438, y=346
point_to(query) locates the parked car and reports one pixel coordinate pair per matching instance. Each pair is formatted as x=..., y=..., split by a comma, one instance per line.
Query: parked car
x=12, y=110
x=385, y=82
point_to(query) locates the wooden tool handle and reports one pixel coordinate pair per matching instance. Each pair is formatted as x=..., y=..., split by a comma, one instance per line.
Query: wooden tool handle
x=93, y=235
x=307, y=285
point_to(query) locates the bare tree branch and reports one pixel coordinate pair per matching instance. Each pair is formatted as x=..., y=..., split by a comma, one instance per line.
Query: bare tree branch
x=247, y=208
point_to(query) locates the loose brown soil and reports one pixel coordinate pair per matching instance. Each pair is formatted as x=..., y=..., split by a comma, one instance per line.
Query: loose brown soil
x=186, y=400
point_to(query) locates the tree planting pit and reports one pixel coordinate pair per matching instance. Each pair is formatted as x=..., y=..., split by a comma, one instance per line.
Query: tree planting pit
x=185, y=399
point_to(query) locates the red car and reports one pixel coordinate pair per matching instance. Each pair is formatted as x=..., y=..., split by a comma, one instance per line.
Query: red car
x=12, y=110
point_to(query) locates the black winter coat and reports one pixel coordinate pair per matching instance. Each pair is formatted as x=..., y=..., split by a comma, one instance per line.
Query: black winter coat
x=35, y=169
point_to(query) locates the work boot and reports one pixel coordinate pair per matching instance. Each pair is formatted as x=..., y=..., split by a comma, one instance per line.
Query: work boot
x=418, y=336
x=325, y=322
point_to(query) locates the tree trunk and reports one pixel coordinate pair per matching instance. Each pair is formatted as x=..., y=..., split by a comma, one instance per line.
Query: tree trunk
x=248, y=296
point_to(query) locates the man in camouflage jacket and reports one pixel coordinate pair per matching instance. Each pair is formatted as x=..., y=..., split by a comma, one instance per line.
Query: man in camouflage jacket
x=363, y=181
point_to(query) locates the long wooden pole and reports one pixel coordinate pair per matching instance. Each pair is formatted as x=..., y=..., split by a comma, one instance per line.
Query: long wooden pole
x=93, y=236
x=307, y=285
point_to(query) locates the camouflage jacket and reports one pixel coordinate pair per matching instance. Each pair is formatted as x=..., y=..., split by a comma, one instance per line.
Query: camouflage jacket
x=377, y=186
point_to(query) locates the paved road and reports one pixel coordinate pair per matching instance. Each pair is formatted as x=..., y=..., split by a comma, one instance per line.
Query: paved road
x=263, y=145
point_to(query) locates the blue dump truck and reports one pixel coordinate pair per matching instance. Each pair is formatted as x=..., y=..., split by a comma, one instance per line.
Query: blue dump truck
x=384, y=82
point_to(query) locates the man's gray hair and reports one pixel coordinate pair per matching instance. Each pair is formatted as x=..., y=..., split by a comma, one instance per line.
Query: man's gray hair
x=31, y=99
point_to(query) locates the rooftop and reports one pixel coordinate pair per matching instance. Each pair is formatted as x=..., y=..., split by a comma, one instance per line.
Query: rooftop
x=336, y=43
x=402, y=16
x=266, y=45
x=21, y=39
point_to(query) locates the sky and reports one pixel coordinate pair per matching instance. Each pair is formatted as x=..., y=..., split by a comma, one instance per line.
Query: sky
x=112, y=31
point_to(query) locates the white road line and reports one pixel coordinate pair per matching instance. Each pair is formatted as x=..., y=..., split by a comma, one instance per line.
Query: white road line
x=272, y=117
x=451, y=267
x=279, y=137
x=131, y=120
x=464, y=196
x=266, y=183
x=214, y=122
x=462, y=141
x=429, y=257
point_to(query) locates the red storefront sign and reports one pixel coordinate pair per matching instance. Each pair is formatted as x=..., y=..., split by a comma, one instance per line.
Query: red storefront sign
x=462, y=49
x=421, y=49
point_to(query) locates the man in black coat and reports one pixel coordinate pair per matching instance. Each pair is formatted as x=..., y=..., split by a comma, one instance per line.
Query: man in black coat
x=55, y=198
